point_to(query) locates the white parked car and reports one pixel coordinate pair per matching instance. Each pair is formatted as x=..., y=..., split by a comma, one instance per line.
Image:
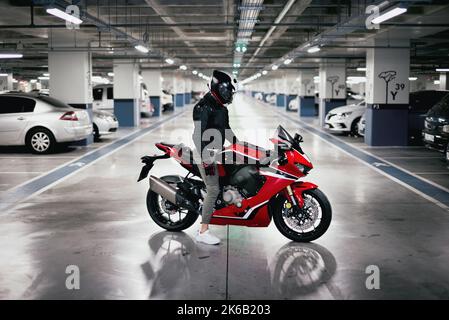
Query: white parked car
x=293, y=105
x=271, y=98
x=104, y=123
x=166, y=101
x=345, y=119
x=40, y=122
x=103, y=96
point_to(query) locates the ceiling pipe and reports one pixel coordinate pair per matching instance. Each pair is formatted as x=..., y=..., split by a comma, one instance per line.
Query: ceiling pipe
x=279, y=18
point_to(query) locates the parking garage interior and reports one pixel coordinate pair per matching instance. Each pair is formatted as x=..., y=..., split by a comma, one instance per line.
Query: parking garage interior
x=89, y=87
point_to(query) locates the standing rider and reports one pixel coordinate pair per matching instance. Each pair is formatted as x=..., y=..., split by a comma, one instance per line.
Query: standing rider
x=211, y=128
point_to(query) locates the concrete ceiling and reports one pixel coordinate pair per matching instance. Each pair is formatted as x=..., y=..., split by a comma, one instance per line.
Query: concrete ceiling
x=202, y=33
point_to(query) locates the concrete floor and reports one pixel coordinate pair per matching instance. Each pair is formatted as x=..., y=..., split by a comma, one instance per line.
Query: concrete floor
x=97, y=219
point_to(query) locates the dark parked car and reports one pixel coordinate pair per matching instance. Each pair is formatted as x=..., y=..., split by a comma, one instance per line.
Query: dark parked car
x=436, y=126
x=420, y=103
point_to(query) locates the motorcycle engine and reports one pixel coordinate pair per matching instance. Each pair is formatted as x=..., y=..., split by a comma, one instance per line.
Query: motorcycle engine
x=232, y=196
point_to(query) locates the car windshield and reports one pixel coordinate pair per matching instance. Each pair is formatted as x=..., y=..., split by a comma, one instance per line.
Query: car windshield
x=54, y=102
x=441, y=109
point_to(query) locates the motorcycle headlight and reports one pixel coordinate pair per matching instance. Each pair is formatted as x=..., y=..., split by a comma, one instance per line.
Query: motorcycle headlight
x=446, y=128
x=302, y=168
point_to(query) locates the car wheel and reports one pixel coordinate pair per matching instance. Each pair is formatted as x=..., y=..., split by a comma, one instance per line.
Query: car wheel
x=40, y=141
x=96, y=133
x=355, y=127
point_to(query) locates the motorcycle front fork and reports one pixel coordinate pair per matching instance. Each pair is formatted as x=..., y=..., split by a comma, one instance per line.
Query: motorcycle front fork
x=293, y=200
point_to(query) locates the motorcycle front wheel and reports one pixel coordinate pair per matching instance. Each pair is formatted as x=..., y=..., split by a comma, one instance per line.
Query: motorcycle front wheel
x=166, y=214
x=305, y=224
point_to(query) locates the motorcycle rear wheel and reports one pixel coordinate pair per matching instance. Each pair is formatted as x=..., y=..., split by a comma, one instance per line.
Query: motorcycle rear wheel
x=316, y=200
x=157, y=208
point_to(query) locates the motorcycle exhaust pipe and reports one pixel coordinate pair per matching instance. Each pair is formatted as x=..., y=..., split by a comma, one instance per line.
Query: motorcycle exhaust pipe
x=171, y=194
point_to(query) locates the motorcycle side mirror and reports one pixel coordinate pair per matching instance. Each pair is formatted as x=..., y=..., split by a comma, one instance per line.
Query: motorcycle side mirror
x=298, y=137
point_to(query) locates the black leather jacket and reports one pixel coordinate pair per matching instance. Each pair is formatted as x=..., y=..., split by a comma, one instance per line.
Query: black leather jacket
x=208, y=113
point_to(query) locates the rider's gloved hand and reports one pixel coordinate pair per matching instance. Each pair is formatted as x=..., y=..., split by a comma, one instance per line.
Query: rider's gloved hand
x=209, y=168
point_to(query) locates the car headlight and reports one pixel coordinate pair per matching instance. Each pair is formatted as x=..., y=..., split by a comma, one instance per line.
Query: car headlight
x=343, y=115
x=442, y=120
x=446, y=128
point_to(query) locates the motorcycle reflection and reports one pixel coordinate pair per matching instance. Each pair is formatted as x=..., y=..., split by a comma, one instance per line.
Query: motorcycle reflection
x=299, y=269
x=296, y=269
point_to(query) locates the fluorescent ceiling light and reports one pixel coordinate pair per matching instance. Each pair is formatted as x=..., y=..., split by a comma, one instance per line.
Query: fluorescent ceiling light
x=43, y=78
x=46, y=74
x=142, y=48
x=63, y=15
x=195, y=72
x=169, y=61
x=287, y=61
x=313, y=49
x=236, y=65
x=110, y=74
x=200, y=74
x=388, y=15
x=436, y=82
x=442, y=69
x=412, y=78
x=274, y=67
x=361, y=69
x=183, y=67
x=259, y=75
x=10, y=55
x=33, y=80
x=3, y=74
x=14, y=81
x=264, y=72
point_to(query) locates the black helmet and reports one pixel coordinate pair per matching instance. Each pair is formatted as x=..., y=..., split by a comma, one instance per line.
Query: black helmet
x=221, y=86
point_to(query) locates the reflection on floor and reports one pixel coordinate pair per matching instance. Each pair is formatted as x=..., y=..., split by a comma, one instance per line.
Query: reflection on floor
x=97, y=220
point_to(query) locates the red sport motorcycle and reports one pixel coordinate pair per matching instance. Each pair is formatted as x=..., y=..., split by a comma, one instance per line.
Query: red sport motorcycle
x=257, y=185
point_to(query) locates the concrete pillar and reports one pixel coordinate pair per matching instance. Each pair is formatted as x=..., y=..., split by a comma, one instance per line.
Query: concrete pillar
x=280, y=85
x=6, y=82
x=332, y=89
x=127, y=93
x=178, y=89
x=387, y=95
x=306, y=94
x=444, y=81
x=188, y=91
x=153, y=81
x=71, y=80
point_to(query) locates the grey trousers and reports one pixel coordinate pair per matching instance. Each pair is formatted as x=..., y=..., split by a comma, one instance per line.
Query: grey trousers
x=212, y=188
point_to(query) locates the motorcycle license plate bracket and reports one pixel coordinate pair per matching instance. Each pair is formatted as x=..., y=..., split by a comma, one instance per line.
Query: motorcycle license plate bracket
x=149, y=163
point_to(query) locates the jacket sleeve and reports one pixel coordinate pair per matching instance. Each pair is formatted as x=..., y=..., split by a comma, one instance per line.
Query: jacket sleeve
x=201, y=115
x=229, y=133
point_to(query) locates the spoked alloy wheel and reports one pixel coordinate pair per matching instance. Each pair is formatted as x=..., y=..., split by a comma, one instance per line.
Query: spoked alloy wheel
x=305, y=224
x=40, y=141
x=166, y=214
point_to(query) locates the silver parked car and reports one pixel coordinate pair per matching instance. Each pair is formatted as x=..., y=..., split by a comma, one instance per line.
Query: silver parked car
x=40, y=122
x=104, y=123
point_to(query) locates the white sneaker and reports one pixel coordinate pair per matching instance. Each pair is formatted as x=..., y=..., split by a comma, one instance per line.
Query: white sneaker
x=207, y=238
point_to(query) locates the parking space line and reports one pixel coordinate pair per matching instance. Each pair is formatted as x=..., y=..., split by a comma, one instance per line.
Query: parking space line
x=425, y=188
x=10, y=198
x=20, y=172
